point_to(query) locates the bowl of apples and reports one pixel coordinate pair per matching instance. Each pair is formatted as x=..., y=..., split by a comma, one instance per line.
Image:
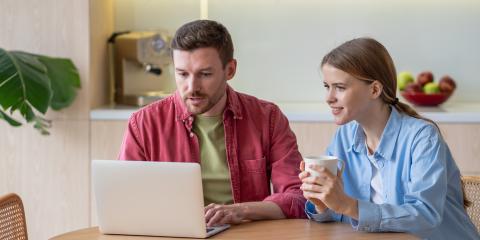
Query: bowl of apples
x=424, y=91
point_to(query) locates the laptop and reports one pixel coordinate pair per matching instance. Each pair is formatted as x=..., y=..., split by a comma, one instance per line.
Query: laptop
x=150, y=198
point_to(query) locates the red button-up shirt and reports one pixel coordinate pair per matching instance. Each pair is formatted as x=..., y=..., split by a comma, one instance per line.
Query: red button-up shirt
x=260, y=146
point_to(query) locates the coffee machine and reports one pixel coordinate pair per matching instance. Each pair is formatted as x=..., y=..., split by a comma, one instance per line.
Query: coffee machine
x=141, y=70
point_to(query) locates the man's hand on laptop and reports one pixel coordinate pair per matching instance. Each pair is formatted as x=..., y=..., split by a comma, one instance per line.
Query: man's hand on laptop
x=218, y=214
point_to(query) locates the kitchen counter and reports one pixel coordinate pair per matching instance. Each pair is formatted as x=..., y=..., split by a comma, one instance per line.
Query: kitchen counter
x=455, y=112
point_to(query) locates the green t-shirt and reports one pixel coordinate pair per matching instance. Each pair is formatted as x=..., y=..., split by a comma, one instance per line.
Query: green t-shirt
x=215, y=173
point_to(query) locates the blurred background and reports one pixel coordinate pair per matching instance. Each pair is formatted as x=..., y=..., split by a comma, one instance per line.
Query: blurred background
x=280, y=43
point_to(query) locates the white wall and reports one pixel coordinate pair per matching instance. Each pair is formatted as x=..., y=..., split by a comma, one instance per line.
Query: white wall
x=279, y=43
x=154, y=14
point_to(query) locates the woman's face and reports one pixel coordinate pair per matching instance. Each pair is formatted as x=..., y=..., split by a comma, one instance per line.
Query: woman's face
x=348, y=97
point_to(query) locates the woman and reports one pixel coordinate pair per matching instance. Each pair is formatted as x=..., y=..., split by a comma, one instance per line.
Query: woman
x=399, y=175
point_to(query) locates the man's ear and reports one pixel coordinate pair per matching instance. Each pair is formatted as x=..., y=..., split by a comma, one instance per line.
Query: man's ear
x=231, y=68
x=376, y=88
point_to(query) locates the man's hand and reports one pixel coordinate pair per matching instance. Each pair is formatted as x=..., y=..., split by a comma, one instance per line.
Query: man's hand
x=217, y=214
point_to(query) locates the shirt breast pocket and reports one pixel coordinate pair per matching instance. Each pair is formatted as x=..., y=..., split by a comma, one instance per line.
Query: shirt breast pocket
x=253, y=165
x=255, y=183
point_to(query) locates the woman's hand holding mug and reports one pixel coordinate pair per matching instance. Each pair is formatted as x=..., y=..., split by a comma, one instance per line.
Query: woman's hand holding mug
x=323, y=186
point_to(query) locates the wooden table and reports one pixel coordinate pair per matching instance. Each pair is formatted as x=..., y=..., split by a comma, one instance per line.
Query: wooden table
x=299, y=229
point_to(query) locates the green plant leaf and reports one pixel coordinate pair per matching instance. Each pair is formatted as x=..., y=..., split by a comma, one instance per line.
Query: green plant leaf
x=27, y=113
x=65, y=80
x=24, y=86
x=42, y=124
x=9, y=120
x=30, y=84
x=23, y=79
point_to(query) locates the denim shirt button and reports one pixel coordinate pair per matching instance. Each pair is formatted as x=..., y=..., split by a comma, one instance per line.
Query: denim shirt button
x=380, y=164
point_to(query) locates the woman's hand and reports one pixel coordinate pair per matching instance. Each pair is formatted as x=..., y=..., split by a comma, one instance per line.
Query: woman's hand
x=319, y=206
x=329, y=190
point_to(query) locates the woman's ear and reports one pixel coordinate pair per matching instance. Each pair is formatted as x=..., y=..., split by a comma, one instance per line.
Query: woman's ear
x=376, y=89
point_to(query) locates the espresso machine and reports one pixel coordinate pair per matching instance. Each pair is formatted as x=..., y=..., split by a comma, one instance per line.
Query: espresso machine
x=140, y=67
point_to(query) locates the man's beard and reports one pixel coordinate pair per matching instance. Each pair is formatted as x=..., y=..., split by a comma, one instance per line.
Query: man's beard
x=197, y=110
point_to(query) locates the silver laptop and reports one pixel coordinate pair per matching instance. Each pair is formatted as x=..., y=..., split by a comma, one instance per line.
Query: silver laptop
x=150, y=198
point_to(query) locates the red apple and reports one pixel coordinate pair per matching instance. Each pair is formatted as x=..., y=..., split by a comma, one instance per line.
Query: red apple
x=447, y=84
x=424, y=78
x=413, y=87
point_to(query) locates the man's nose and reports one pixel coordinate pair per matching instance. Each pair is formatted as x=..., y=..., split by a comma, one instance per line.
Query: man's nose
x=193, y=84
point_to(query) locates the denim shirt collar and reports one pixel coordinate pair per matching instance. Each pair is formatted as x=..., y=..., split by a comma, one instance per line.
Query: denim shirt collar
x=388, y=139
x=233, y=106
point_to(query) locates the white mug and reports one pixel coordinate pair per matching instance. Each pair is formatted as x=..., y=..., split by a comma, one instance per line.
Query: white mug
x=329, y=162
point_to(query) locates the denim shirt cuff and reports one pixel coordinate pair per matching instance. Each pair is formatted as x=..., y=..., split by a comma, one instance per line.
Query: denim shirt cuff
x=369, y=217
x=312, y=214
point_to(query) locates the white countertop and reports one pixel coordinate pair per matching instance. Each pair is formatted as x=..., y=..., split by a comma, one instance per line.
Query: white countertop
x=455, y=112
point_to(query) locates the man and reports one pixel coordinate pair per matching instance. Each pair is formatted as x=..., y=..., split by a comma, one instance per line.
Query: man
x=241, y=142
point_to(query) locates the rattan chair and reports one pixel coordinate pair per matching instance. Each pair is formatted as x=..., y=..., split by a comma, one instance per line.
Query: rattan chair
x=12, y=218
x=472, y=191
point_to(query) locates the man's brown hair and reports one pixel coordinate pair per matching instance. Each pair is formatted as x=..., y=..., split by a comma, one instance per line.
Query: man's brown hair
x=202, y=34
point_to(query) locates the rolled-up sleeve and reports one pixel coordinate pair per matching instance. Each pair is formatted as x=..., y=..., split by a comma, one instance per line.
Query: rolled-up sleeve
x=291, y=203
x=285, y=160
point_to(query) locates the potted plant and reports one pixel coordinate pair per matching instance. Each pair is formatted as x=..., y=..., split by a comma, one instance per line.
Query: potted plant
x=31, y=83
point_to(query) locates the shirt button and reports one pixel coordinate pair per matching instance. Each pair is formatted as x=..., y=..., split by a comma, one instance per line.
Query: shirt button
x=380, y=164
x=191, y=134
x=190, y=118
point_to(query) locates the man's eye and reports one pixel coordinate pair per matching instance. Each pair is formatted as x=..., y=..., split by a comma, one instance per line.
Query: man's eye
x=340, y=88
x=206, y=74
x=326, y=86
x=182, y=74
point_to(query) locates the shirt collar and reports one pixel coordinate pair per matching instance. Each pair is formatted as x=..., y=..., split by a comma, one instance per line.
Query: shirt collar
x=387, y=141
x=233, y=105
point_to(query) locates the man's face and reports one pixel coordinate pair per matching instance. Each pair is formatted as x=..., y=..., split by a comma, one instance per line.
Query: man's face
x=202, y=80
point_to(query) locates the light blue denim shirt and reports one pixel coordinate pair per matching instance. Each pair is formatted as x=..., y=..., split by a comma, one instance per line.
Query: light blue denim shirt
x=421, y=183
